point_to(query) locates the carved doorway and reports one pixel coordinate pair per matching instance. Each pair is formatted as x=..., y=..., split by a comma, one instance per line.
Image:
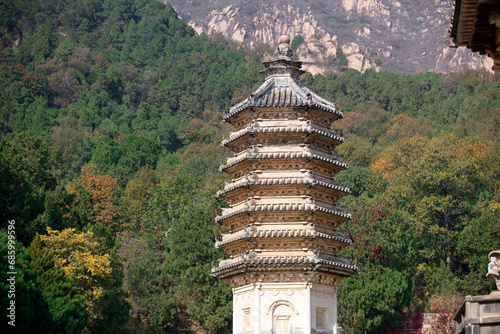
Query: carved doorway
x=281, y=319
x=282, y=325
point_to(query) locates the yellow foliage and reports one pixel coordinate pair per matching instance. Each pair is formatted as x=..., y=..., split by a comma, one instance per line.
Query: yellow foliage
x=400, y=155
x=384, y=165
x=494, y=207
x=444, y=303
x=423, y=267
x=78, y=254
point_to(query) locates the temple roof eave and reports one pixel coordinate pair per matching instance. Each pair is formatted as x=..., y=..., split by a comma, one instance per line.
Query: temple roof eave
x=282, y=130
x=272, y=264
x=284, y=155
x=283, y=90
x=284, y=234
x=310, y=208
x=282, y=181
x=471, y=25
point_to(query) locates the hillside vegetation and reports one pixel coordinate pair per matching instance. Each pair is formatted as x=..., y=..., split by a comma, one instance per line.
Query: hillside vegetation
x=111, y=116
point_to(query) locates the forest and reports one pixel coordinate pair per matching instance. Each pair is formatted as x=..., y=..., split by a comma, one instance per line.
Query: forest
x=110, y=124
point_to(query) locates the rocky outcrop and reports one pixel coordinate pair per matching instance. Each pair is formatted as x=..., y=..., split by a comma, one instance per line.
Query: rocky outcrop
x=271, y=21
x=403, y=36
x=371, y=8
x=461, y=58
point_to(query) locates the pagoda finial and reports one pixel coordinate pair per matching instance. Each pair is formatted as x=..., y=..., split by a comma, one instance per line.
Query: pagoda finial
x=283, y=49
x=283, y=61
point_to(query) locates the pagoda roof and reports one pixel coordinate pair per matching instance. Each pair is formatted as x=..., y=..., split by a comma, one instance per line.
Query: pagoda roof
x=283, y=90
x=263, y=207
x=282, y=180
x=282, y=87
x=288, y=233
x=309, y=129
x=245, y=263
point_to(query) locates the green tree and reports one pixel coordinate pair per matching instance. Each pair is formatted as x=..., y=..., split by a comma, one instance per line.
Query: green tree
x=26, y=178
x=169, y=262
x=341, y=59
x=439, y=181
x=480, y=236
x=297, y=41
x=374, y=300
x=26, y=296
x=385, y=251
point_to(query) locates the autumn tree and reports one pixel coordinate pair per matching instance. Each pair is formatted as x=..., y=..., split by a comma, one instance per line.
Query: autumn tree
x=444, y=182
x=93, y=201
x=79, y=255
x=403, y=126
x=135, y=199
x=46, y=298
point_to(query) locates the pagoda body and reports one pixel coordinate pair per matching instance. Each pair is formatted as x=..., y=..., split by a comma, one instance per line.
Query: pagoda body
x=283, y=221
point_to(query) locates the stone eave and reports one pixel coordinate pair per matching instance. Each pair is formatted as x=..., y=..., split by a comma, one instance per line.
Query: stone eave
x=309, y=130
x=283, y=207
x=297, y=233
x=280, y=181
x=282, y=155
x=284, y=264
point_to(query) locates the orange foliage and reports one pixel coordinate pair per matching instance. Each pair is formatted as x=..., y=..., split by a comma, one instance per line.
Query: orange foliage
x=384, y=165
x=102, y=188
x=198, y=131
x=400, y=155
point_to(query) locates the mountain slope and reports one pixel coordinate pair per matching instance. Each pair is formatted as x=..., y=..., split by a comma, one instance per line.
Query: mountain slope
x=402, y=36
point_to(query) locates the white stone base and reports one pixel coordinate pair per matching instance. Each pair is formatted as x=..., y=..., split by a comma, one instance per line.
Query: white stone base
x=285, y=308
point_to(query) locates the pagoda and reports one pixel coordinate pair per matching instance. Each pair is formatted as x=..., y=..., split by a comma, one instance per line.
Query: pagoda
x=283, y=221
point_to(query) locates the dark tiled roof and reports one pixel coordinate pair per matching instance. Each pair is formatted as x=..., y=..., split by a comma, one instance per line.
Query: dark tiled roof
x=283, y=90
